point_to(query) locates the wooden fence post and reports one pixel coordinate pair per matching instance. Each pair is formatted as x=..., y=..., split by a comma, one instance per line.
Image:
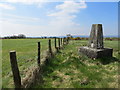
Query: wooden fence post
x=49, y=46
x=59, y=42
x=15, y=69
x=55, y=43
x=64, y=41
x=38, y=60
x=67, y=40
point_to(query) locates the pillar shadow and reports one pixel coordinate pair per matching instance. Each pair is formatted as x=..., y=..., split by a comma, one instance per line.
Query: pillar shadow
x=108, y=60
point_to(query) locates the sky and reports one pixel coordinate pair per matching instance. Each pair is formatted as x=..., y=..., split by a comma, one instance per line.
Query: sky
x=37, y=18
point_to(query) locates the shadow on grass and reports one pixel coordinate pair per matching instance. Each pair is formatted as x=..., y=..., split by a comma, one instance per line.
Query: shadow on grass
x=50, y=65
x=108, y=60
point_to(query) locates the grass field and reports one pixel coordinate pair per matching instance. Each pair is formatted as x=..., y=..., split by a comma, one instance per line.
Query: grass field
x=68, y=67
x=26, y=50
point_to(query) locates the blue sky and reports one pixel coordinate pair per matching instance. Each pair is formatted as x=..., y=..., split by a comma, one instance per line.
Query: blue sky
x=36, y=18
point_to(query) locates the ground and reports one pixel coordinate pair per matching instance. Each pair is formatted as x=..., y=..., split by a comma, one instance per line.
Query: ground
x=26, y=50
x=68, y=69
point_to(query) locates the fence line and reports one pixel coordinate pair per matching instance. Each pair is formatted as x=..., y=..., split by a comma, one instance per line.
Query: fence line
x=14, y=65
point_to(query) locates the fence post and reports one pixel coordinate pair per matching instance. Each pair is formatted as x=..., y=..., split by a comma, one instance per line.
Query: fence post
x=15, y=69
x=50, y=49
x=64, y=41
x=38, y=60
x=55, y=43
x=67, y=40
x=59, y=42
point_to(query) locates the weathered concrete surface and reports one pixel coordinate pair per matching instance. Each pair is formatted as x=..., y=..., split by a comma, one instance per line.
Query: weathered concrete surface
x=96, y=37
x=96, y=53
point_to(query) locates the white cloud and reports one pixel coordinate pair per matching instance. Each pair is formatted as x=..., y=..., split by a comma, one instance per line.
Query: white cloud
x=71, y=6
x=6, y=6
x=32, y=1
x=64, y=15
x=39, y=3
x=68, y=7
x=15, y=18
x=9, y=28
x=62, y=22
x=23, y=1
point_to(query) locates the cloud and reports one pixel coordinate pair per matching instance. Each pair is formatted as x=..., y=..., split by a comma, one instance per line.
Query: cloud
x=61, y=22
x=9, y=28
x=68, y=7
x=6, y=6
x=23, y=1
x=39, y=3
x=22, y=19
x=64, y=15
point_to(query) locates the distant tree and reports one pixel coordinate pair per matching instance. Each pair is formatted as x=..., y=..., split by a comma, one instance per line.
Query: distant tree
x=45, y=37
x=69, y=36
x=15, y=36
x=21, y=36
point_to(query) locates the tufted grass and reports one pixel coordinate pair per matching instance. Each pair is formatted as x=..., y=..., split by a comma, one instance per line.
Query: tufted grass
x=69, y=69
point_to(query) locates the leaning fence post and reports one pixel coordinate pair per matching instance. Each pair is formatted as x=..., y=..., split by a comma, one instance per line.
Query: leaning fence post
x=38, y=60
x=50, y=49
x=59, y=42
x=15, y=69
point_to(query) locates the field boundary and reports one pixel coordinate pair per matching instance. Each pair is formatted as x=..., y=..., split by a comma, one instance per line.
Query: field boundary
x=34, y=75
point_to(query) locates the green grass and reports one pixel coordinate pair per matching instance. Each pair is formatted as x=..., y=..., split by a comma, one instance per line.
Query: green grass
x=70, y=69
x=67, y=69
x=26, y=50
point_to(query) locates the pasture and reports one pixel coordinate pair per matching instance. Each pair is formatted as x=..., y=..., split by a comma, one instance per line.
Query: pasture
x=70, y=69
x=26, y=56
x=67, y=63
